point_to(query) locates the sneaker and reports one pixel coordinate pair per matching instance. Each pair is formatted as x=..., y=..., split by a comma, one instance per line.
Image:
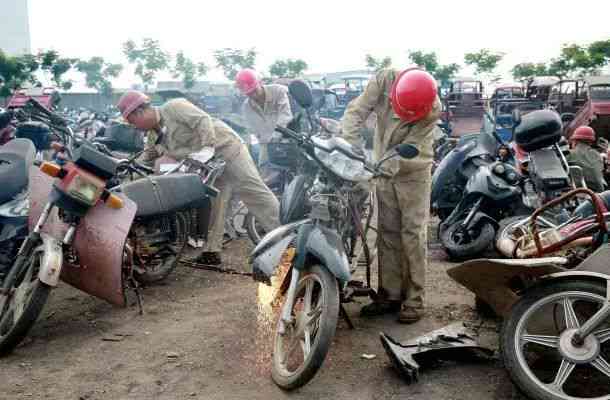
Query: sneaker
x=409, y=314
x=209, y=258
x=380, y=307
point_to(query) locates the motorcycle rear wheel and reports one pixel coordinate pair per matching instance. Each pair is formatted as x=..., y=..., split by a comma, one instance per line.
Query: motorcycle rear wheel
x=314, y=320
x=536, y=347
x=24, y=305
x=158, y=266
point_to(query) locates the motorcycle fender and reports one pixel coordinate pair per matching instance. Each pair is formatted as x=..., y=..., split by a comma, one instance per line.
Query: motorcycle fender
x=265, y=264
x=491, y=279
x=273, y=237
x=481, y=216
x=52, y=260
x=326, y=245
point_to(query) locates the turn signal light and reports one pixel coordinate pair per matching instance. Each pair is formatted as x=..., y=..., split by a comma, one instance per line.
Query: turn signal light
x=114, y=201
x=50, y=169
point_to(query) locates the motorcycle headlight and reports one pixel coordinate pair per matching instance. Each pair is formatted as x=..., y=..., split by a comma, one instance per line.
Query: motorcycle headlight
x=499, y=169
x=84, y=190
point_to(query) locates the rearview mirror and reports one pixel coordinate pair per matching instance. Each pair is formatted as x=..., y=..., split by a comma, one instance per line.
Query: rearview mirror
x=301, y=93
x=407, y=151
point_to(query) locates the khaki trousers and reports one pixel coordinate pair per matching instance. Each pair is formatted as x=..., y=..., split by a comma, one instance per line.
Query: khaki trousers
x=402, y=238
x=241, y=178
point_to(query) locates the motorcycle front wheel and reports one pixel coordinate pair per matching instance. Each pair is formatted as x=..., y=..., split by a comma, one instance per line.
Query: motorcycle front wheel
x=300, y=351
x=24, y=305
x=461, y=243
x=538, y=348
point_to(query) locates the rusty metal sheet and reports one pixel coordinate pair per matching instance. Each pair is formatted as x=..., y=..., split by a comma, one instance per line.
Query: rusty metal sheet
x=99, y=242
x=490, y=279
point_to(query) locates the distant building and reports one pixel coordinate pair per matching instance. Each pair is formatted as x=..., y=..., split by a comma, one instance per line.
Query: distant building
x=201, y=88
x=15, y=27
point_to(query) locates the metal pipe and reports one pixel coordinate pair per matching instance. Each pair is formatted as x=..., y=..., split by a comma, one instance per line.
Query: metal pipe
x=69, y=234
x=587, y=328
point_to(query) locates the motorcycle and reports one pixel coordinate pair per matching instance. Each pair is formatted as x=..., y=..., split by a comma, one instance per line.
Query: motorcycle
x=554, y=339
x=322, y=216
x=102, y=241
x=491, y=193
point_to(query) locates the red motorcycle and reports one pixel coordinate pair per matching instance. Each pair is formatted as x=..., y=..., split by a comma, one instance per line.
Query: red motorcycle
x=102, y=241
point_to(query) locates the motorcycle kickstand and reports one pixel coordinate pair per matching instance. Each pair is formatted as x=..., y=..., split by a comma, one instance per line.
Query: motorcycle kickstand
x=139, y=298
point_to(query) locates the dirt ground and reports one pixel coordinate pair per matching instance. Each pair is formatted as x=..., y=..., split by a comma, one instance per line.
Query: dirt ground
x=200, y=338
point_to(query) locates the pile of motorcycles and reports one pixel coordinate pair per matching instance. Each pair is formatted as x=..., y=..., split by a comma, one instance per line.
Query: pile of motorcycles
x=551, y=280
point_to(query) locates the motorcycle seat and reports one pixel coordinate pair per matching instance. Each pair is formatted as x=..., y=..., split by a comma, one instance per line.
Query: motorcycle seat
x=159, y=195
x=16, y=157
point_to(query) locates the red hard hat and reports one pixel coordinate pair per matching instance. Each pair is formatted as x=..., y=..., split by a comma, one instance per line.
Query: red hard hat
x=247, y=81
x=130, y=101
x=583, y=133
x=413, y=94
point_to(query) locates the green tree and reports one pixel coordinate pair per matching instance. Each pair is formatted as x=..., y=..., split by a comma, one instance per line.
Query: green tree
x=148, y=58
x=233, y=60
x=98, y=74
x=485, y=63
x=188, y=70
x=577, y=60
x=529, y=70
x=377, y=64
x=56, y=67
x=429, y=62
x=16, y=71
x=288, y=68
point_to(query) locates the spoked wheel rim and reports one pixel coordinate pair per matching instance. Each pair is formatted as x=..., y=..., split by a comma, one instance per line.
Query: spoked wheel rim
x=295, y=346
x=238, y=218
x=573, y=365
x=20, y=298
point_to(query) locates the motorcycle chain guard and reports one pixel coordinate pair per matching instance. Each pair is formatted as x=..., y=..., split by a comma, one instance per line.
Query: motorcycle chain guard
x=453, y=342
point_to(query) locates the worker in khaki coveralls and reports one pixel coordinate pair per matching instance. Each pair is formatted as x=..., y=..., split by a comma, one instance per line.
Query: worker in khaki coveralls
x=266, y=107
x=177, y=129
x=407, y=109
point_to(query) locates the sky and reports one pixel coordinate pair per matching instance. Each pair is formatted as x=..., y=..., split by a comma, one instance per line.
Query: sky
x=330, y=35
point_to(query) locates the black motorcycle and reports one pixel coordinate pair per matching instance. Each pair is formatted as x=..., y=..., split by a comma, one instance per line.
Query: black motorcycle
x=491, y=194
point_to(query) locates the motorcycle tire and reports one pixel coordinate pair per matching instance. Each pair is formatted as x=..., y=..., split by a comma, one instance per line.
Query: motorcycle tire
x=254, y=229
x=180, y=229
x=470, y=249
x=520, y=376
x=325, y=332
x=11, y=336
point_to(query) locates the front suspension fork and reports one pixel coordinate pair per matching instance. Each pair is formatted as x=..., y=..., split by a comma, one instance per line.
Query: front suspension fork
x=22, y=256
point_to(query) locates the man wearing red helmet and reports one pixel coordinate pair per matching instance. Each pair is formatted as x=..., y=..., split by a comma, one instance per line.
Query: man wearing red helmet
x=266, y=107
x=407, y=110
x=177, y=129
x=585, y=156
